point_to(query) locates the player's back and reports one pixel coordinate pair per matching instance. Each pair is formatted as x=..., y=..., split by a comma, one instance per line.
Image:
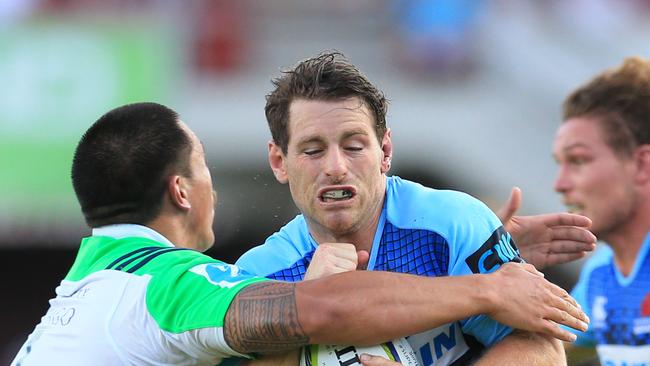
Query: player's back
x=79, y=327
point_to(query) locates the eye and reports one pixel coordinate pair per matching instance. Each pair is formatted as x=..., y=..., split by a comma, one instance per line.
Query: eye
x=311, y=152
x=577, y=160
x=354, y=148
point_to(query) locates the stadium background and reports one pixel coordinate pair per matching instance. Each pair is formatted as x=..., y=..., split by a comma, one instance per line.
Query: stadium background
x=475, y=89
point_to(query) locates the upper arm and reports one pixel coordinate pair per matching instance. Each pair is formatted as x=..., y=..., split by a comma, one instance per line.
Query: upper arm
x=189, y=302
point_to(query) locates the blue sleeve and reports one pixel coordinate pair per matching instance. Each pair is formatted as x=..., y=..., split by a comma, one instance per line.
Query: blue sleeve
x=478, y=243
x=485, y=257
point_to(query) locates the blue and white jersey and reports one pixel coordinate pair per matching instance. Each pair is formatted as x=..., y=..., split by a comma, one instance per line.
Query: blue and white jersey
x=421, y=231
x=618, y=306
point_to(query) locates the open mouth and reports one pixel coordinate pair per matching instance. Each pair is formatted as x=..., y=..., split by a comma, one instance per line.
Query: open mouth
x=336, y=195
x=574, y=208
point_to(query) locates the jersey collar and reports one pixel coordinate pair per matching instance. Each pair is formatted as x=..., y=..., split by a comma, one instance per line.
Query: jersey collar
x=120, y=231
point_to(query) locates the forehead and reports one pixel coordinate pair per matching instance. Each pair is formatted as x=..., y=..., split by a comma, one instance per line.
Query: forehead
x=579, y=131
x=316, y=117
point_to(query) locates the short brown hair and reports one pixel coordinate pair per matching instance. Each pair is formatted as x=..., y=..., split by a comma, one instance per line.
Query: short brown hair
x=328, y=76
x=620, y=99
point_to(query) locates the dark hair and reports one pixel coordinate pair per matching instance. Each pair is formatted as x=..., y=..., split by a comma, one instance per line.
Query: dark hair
x=328, y=76
x=121, y=163
x=620, y=100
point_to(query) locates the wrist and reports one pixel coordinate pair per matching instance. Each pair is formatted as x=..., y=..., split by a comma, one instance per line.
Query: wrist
x=485, y=293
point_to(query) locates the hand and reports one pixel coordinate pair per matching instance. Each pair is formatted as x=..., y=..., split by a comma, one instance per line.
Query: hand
x=369, y=360
x=331, y=258
x=545, y=240
x=524, y=300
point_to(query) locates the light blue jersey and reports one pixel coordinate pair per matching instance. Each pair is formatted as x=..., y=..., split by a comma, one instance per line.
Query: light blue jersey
x=618, y=306
x=421, y=231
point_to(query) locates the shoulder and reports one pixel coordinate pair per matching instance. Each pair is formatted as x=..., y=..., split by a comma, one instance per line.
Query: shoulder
x=602, y=258
x=414, y=206
x=280, y=250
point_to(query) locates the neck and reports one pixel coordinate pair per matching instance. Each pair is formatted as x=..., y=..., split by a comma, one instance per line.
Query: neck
x=627, y=239
x=361, y=236
x=171, y=229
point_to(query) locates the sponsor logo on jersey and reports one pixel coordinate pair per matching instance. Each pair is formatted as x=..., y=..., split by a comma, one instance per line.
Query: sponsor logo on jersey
x=439, y=346
x=221, y=274
x=498, y=249
x=599, y=313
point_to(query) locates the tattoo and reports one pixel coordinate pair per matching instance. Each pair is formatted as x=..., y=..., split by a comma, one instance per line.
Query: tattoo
x=263, y=318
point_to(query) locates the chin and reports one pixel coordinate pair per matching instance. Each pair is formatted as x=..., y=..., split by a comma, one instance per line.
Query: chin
x=339, y=227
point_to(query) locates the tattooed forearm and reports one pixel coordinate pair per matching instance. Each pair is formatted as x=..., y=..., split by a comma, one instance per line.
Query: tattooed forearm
x=263, y=318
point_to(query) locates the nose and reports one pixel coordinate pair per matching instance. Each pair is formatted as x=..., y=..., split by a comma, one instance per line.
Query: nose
x=562, y=181
x=335, y=165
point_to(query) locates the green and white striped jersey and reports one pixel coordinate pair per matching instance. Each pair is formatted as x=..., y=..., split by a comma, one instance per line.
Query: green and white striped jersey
x=136, y=300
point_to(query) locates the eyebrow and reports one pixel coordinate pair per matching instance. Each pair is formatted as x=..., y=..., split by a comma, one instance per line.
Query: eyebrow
x=318, y=139
x=310, y=139
x=575, y=145
x=351, y=133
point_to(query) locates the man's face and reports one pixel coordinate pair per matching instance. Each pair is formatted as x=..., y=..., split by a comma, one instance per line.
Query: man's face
x=201, y=196
x=593, y=180
x=334, y=165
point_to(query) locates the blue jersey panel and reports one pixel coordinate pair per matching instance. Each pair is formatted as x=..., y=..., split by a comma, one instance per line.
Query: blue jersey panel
x=411, y=251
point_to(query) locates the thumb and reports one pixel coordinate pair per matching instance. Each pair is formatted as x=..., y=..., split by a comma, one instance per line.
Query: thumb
x=511, y=206
x=369, y=360
x=362, y=259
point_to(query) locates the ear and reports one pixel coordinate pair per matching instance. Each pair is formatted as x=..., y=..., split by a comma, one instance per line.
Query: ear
x=387, y=151
x=178, y=192
x=642, y=161
x=277, y=161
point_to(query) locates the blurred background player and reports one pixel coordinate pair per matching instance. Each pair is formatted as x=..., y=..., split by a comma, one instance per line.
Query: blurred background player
x=331, y=145
x=140, y=292
x=603, y=153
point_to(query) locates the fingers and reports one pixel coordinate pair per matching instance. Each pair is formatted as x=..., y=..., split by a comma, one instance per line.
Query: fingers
x=569, y=246
x=559, y=258
x=565, y=310
x=511, y=206
x=573, y=233
x=362, y=259
x=331, y=258
x=566, y=219
x=569, y=304
x=369, y=360
x=552, y=329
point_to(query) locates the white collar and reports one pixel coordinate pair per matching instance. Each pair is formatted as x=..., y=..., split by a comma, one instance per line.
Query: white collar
x=119, y=231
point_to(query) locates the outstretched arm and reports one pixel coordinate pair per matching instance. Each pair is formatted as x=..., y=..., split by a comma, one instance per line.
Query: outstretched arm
x=366, y=308
x=545, y=240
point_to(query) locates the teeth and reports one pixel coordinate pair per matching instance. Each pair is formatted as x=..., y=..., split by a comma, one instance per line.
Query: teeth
x=575, y=208
x=337, y=194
